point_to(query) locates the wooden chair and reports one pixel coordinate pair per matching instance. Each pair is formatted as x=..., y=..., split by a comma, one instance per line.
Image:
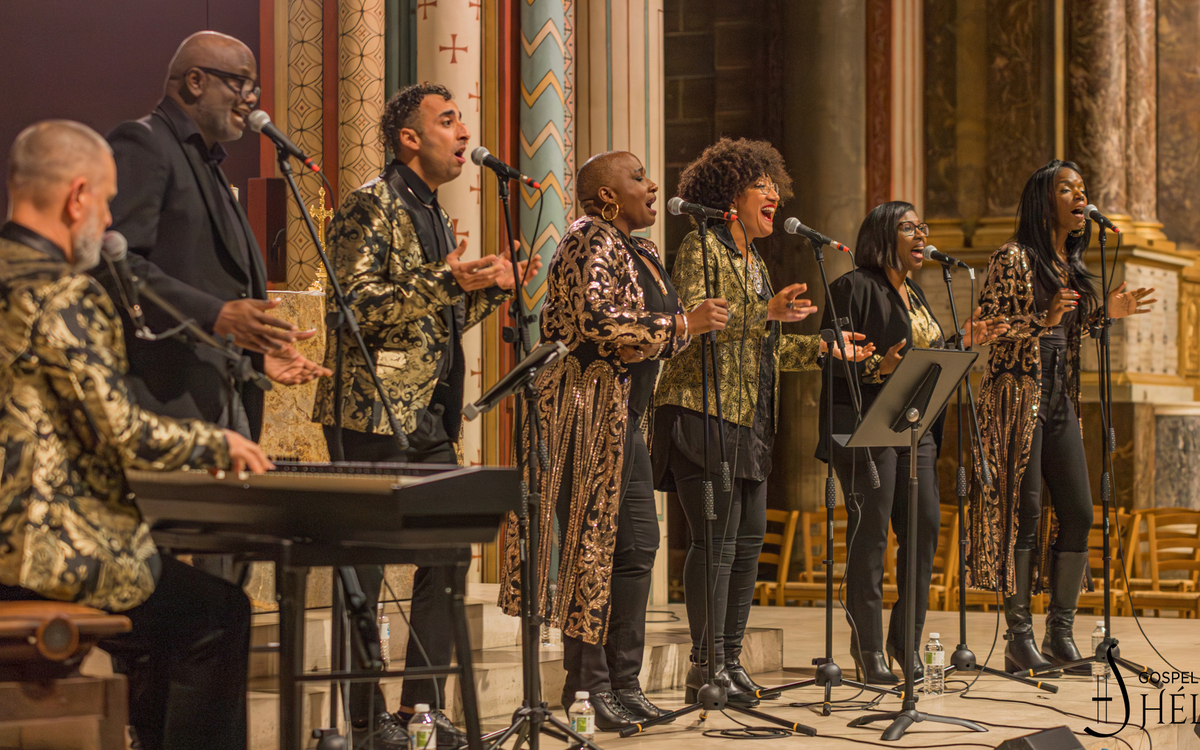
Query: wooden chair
x=810, y=585
x=945, y=563
x=1119, y=529
x=1173, y=540
x=41, y=691
x=1137, y=553
x=777, y=551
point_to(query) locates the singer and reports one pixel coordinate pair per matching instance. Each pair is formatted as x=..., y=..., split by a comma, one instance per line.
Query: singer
x=749, y=176
x=1028, y=417
x=610, y=301
x=393, y=250
x=891, y=310
x=69, y=428
x=190, y=241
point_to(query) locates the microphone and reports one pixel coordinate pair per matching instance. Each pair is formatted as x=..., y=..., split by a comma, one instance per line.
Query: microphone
x=932, y=253
x=1094, y=214
x=260, y=122
x=793, y=226
x=678, y=206
x=114, y=247
x=484, y=158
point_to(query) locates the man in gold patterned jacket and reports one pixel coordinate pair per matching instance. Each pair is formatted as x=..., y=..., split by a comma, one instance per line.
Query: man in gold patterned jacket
x=69, y=527
x=394, y=253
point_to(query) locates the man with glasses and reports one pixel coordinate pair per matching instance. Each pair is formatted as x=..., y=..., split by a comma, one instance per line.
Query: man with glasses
x=191, y=242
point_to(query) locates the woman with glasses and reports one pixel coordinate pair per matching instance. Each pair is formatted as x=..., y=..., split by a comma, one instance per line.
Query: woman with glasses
x=749, y=177
x=1029, y=418
x=885, y=304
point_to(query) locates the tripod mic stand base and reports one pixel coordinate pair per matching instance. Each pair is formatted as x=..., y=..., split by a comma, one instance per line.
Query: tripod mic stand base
x=1145, y=674
x=527, y=719
x=902, y=720
x=711, y=697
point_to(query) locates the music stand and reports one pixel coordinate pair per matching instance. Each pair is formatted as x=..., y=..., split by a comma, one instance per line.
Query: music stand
x=915, y=394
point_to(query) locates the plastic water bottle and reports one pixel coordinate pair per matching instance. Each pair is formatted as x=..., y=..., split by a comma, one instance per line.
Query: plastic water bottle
x=422, y=732
x=935, y=666
x=582, y=715
x=1099, y=668
x=385, y=637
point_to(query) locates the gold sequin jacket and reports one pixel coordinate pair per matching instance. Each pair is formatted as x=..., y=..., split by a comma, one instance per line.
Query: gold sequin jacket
x=398, y=298
x=680, y=382
x=69, y=528
x=1008, y=406
x=594, y=305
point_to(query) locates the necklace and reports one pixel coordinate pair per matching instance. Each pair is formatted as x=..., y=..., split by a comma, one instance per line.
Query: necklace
x=753, y=271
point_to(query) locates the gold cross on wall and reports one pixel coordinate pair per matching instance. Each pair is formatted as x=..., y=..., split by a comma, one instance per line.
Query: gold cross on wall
x=321, y=216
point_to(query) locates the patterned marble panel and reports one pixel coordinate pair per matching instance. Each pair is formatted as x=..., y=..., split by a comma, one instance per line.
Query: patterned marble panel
x=1020, y=105
x=1179, y=120
x=1176, y=481
x=941, y=89
x=1141, y=111
x=305, y=120
x=1096, y=99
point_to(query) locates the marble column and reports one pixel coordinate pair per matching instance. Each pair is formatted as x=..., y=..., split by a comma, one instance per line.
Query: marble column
x=1019, y=112
x=1178, y=189
x=360, y=91
x=1096, y=100
x=449, y=53
x=1141, y=114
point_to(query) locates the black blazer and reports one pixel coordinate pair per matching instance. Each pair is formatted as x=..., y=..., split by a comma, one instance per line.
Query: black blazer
x=182, y=241
x=875, y=309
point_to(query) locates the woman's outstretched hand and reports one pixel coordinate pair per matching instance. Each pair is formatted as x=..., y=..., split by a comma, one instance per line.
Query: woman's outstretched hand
x=1122, y=303
x=709, y=315
x=785, y=307
x=854, y=352
x=980, y=330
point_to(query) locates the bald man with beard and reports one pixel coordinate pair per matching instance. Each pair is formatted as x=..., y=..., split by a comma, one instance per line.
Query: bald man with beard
x=189, y=239
x=69, y=429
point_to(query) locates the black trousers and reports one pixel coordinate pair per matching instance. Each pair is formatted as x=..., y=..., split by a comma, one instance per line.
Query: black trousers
x=430, y=619
x=185, y=659
x=1057, y=457
x=737, y=540
x=868, y=523
x=615, y=664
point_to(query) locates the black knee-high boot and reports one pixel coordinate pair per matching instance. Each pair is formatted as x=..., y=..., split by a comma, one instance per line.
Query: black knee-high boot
x=1066, y=578
x=1021, y=655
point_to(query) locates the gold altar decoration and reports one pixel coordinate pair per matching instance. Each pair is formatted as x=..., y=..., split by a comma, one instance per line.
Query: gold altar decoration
x=321, y=215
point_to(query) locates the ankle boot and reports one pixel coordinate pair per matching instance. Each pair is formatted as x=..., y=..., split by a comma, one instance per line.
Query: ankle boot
x=896, y=655
x=1067, y=570
x=870, y=666
x=1021, y=655
x=740, y=677
x=733, y=692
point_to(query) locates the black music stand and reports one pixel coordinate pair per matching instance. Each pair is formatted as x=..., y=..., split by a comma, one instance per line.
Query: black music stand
x=910, y=402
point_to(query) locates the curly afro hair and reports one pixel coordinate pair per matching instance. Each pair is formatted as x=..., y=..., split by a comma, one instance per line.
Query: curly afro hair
x=401, y=111
x=728, y=167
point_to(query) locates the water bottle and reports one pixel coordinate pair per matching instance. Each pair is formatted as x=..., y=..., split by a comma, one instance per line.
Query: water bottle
x=422, y=732
x=582, y=715
x=385, y=637
x=935, y=666
x=1099, y=668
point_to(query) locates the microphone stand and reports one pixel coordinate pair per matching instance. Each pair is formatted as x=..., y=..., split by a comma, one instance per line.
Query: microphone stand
x=713, y=694
x=963, y=659
x=829, y=674
x=534, y=717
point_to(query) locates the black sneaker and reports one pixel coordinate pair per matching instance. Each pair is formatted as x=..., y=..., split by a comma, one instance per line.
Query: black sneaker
x=449, y=737
x=388, y=734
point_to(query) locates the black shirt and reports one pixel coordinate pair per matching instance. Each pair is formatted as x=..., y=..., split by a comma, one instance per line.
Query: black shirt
x=1054, y=337
x=643, y=374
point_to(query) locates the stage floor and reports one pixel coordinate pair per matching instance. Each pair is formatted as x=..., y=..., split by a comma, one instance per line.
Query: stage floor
x=1009, y=708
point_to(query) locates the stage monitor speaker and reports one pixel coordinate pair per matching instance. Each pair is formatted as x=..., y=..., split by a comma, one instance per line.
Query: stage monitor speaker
x=1058, y=738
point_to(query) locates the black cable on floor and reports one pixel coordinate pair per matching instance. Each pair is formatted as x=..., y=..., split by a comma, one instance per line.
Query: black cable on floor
x=1059, y=711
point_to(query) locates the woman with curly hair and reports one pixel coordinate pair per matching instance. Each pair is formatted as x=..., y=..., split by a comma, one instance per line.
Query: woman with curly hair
x=748, y=176
x=1029, y=418
x=884, y=303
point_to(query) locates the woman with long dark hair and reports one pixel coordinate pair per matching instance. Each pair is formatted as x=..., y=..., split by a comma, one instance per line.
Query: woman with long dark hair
x=1029, y=417
x=748, y=176
x=885, y=304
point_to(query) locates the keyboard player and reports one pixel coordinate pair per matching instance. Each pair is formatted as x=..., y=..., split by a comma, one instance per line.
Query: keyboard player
x=69, y=430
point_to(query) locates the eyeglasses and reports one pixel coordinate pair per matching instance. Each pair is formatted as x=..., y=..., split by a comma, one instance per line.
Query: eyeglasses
x=766, y=188
x=908, y=229
x=242, y=85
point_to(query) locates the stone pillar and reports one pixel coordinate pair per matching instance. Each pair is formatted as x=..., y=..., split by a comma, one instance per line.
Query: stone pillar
x=1019, y=113
x=360, y=91
x=448, y=52
x=1141, y=114
x=1096, y=100
x=1178, y=49
x=543, y=112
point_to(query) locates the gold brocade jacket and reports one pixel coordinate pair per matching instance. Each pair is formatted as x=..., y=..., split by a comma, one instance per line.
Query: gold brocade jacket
x=69, y=528
x=1007, y=404
x=680, y=382
x=594, y=305
x=399, y=299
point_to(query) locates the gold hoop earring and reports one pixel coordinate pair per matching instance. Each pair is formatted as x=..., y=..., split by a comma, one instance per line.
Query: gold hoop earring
x=1077, y=232
x=604, y=212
